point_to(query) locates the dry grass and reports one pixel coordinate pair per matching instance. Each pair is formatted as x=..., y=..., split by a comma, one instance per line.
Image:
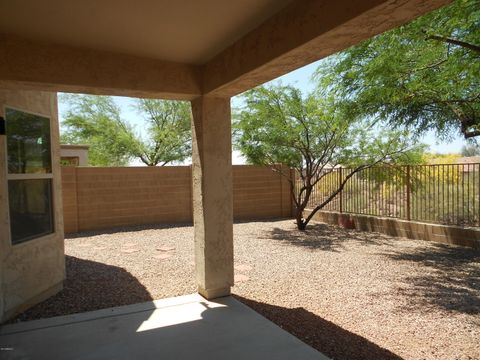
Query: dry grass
x=351, y=295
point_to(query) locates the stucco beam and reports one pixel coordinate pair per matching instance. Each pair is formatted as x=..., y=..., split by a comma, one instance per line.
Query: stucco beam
x=303, y=32
x=32, y=65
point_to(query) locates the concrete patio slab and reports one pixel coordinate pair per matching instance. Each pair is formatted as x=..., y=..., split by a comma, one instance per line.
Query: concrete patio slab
x=184, y=327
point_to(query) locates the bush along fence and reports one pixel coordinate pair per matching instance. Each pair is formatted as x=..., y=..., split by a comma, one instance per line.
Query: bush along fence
x=444, y=194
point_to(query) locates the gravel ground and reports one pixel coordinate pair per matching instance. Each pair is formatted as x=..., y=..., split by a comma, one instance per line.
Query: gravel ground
x=351, y=295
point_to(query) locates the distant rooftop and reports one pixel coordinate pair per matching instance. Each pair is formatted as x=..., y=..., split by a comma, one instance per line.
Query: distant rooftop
x=468, y=160
x=75, y=146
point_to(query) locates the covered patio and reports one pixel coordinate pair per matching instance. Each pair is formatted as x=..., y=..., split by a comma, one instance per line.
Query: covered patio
x=201, y=51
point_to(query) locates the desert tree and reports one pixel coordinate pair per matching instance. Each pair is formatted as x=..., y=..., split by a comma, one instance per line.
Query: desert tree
x=314, y=136
x=114, y=141
x=424, y=75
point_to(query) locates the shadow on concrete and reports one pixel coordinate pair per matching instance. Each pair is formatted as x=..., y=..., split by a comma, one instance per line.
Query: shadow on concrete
x=454, y=283
x=89, y=286
x=187, y=327
x=320, y=236
x=323, y=335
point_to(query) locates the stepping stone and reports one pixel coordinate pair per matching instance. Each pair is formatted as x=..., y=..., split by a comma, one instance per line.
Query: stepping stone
x=241, y=278
x=243, y=267
x=129, y=251
x=162, y=256
x=166, y=248
x=99, y=247
x=83, y=245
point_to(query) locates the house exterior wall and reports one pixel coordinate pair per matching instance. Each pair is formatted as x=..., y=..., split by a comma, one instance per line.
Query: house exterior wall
x=33, y=270
x=75, y=151
x=100, y=198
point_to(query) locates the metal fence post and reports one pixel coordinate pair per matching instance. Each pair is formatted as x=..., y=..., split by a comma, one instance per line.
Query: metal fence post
x=408, y=190
x=293, y=178
x=478, y=192
x=340, y=177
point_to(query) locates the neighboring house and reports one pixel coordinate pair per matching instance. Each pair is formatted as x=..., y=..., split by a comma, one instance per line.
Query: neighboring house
x=74, y=155
x=468, y=160
x=469, y=163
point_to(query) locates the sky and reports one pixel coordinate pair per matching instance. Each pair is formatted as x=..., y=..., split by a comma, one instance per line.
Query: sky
x=300, y=78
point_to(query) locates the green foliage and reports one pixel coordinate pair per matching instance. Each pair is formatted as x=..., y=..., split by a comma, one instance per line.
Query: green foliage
x=279, y=125
x=313, y=135
x=424, y=75
x=97, y=121
x=439, y=159
x=169, y=129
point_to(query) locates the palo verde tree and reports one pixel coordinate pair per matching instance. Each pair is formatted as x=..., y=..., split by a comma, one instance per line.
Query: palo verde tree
x=170, y=134
x=424, y=75
x=312, y=135
x=97, y=121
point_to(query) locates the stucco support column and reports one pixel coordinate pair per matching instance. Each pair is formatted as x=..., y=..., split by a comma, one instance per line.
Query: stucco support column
x=212, y=195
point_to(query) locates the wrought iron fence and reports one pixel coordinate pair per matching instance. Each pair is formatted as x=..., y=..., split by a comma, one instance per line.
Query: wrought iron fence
x=446, y=194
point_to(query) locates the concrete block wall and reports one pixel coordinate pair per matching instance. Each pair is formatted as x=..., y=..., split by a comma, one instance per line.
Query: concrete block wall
x=259, y=193
x=101, y=198
x=69, y=192
x=446, y=234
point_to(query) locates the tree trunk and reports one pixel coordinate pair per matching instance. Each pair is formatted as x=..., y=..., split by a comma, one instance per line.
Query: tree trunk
x=300, y=221
x=301, y=225
x=300, y=207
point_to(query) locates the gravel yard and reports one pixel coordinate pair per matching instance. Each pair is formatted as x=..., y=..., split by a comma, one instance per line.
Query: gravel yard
x=351, y=295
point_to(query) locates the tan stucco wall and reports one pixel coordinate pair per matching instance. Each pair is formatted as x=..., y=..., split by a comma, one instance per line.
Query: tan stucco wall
x=100, y=198
x=75, y=151
x=33, y=270
x=303, y=32
x=212, y=192
x=410, y=229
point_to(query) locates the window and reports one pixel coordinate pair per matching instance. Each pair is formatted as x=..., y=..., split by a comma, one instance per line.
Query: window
x=69, y=161
x=29, y=176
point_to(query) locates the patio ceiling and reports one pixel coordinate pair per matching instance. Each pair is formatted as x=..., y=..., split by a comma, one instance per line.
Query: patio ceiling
x=185, y=31
x=181, y=49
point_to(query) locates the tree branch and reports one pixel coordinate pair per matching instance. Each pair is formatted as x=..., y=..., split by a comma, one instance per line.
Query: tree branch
x=454, y=42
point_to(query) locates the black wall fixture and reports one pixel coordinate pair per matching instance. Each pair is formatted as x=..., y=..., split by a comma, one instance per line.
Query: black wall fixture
x=2, y=126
